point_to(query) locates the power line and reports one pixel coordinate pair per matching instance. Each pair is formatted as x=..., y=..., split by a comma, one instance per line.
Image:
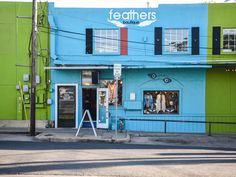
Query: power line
x=131, y=48
x=129, y=41
x=141, y=49
x=98, y=22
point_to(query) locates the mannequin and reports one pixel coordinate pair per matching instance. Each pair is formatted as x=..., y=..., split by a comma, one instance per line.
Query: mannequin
x=146, y=103
x=160, y=102
x=151, y=103
x=163, y=102
x=112, y=92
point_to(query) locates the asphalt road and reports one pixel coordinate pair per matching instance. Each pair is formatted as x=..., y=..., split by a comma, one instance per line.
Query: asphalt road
x=102, y=159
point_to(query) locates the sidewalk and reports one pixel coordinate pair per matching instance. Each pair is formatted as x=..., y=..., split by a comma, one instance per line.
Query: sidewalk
x=85, y=135
x=144, y=138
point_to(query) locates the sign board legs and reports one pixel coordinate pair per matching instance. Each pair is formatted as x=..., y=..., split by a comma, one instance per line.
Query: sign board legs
x=91, y=121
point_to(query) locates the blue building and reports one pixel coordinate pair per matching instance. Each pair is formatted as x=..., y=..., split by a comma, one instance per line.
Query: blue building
x=162, y=52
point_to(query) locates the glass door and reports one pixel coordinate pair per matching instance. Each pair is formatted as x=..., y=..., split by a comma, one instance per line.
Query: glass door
x=102, y=108
x=66, y=106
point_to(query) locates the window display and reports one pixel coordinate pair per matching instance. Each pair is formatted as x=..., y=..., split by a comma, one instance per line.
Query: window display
x=111, y=85
x=161, y=102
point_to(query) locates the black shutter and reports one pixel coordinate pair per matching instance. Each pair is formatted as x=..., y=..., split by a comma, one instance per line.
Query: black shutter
x=216, y=41
x=95, y=77
x=158, y=41
x=89, y=41
x=195, y=40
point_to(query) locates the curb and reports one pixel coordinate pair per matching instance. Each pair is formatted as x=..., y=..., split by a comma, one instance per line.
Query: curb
x=52, y=138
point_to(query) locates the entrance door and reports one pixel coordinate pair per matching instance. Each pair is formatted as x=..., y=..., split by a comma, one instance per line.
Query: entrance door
x=66, y=105
x=89, y=102
x=102, y=108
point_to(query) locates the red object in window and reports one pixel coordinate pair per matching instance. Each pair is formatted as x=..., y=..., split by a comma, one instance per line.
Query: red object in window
x=124, y=41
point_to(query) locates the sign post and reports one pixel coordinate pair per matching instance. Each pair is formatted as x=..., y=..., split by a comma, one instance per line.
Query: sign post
x=117, y=75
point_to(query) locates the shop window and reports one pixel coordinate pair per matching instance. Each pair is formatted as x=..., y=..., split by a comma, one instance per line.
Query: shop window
x=229, y=40
x=111, y=85
x=176, y=40
x=90, y=77
x=161, y=102
x=106, y=41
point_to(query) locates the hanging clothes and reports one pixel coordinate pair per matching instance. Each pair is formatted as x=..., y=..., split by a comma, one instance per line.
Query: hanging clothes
x=163, y=103
x=158, y=103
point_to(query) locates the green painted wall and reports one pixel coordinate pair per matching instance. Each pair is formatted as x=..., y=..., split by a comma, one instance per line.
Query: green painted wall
x=221, y=84
x=15, y=59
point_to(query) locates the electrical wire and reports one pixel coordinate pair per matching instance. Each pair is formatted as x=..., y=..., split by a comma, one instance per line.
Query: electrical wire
x=136, y=49
x=120, y=40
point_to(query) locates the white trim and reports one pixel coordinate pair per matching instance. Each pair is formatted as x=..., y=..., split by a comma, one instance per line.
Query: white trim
x=102, y=125
x=76, y=102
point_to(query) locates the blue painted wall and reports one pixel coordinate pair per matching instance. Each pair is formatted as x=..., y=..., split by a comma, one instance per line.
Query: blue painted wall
x=65, y=77
x=68, y=48
x=191, y=86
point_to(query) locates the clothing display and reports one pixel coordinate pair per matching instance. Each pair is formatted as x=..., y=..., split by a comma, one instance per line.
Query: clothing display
x=148, y=103
x=112, y=92
x=160, y=102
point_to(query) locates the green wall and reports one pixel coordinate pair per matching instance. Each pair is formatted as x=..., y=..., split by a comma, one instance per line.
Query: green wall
x=221, y=84
x=15, y=59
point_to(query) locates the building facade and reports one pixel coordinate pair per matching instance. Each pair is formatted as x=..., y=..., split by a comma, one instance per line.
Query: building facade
x=177, y=66
x=220, y=80
x=15, y=54
x=163, y=56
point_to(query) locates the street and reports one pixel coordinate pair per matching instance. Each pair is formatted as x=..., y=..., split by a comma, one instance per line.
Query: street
x=107, y=159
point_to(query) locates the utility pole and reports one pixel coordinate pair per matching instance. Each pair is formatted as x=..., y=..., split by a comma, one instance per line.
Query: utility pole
x=33, y=68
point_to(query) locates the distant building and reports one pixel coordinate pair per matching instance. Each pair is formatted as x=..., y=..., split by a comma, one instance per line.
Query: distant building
x=15, y=61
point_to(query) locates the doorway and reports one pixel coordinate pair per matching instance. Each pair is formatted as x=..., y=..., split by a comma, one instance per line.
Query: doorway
x=66, y=107
x=90, y=103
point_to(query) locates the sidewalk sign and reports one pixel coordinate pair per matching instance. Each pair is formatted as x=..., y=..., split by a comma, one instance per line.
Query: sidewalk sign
x=91, y=121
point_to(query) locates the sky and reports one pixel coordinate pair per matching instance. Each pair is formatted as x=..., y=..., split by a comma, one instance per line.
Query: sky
x=122, y=3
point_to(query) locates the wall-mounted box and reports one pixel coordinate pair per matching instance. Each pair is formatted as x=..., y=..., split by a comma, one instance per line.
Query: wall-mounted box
x=17, y=87
x=49, y=101
x=132, y=96
x=26, y=98
x=25, y=88
x=26, y=77
x=37, y=79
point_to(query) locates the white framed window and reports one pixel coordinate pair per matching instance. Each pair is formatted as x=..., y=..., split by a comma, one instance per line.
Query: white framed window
x=229, y=40
x=106, y=41
x=176, y=40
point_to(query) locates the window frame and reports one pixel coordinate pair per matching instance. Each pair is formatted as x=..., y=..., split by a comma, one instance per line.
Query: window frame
x=162, y=90
x=106, y=53
x=226, y=51
x=177, y=52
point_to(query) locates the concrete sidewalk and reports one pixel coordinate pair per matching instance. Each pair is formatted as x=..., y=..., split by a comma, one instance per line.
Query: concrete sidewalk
x=86, y=135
